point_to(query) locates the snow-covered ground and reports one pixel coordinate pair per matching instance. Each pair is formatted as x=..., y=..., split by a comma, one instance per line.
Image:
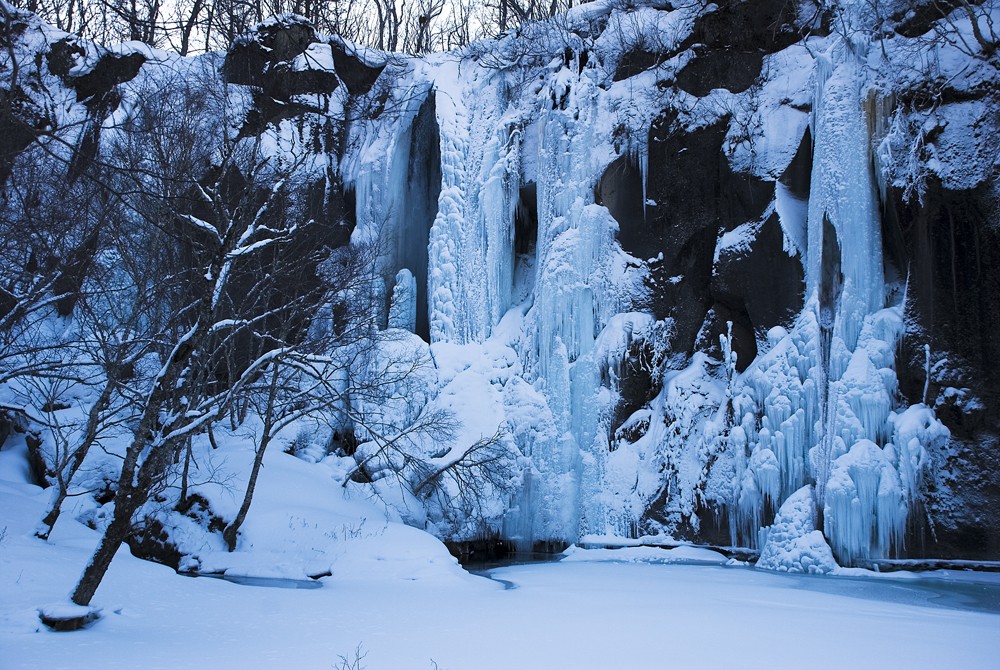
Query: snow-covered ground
x=399, y=598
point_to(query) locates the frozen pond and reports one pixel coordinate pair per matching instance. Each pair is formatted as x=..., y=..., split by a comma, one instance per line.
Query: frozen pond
x=954, y=590
x=571, y=614
x=397, y=594
x=267, y=582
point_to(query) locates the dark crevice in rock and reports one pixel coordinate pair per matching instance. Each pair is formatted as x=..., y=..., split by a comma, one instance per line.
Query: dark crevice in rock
x=620, y=190
x=797, y=177
x=637, y=384
x=526, y=220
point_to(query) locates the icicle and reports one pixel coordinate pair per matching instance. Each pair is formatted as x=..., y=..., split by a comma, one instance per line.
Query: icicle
x=865, y=515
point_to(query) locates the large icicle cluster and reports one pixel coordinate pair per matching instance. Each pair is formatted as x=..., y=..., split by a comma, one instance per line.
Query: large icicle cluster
x=818, y=407
x=821, y=405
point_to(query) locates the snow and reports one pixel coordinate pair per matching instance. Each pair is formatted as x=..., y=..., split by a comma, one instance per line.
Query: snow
x=316, y=57
x=397, y=595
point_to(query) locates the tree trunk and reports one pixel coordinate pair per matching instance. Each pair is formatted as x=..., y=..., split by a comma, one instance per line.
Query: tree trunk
x=184, y=475
x=114, y=536
x=89, y=437
x=49, y=521
x=231, y=531
x=229, y=534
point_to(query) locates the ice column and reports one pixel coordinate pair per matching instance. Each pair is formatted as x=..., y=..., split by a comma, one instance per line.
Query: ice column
x=403, y=305
x=472, y=237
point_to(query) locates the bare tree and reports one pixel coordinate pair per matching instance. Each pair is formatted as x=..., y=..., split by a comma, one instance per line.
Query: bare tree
x=309, y=379
x=422, y=29
x=111, y=318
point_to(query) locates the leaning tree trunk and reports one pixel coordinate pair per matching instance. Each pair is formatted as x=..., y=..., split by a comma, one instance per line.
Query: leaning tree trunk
x=135, y=482
x=135, y=486
x=113, y=538
x=231, y=531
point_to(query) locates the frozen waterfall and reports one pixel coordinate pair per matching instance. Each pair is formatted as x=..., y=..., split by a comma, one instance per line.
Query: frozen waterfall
x=818, y=413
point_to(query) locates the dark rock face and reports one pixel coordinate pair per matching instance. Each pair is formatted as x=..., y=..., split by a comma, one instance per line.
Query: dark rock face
x=763, y=284
x=696, y=196
x=620, y=190
x=109, y=71
x=637, y=384
x=747, y=26
x=281, y=81
x=263, y=59
x=152, y=542
x=267, y=110
x=735, y=71
x=357, y=76
x=22, y=120
x=272, y=42
x=952, y=255
x=73, y=273
x=63, y=624
x=729, y=45
x=64, y=55
x=36, y=461
x=638, y=60
x=915, y=17
x=797, y=177
x=21, y=117
x=97, y=89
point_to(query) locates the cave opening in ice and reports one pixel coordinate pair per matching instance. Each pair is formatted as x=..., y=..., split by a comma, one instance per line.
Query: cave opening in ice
x=525, y=242
x=621, y=190
x=423, y=186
